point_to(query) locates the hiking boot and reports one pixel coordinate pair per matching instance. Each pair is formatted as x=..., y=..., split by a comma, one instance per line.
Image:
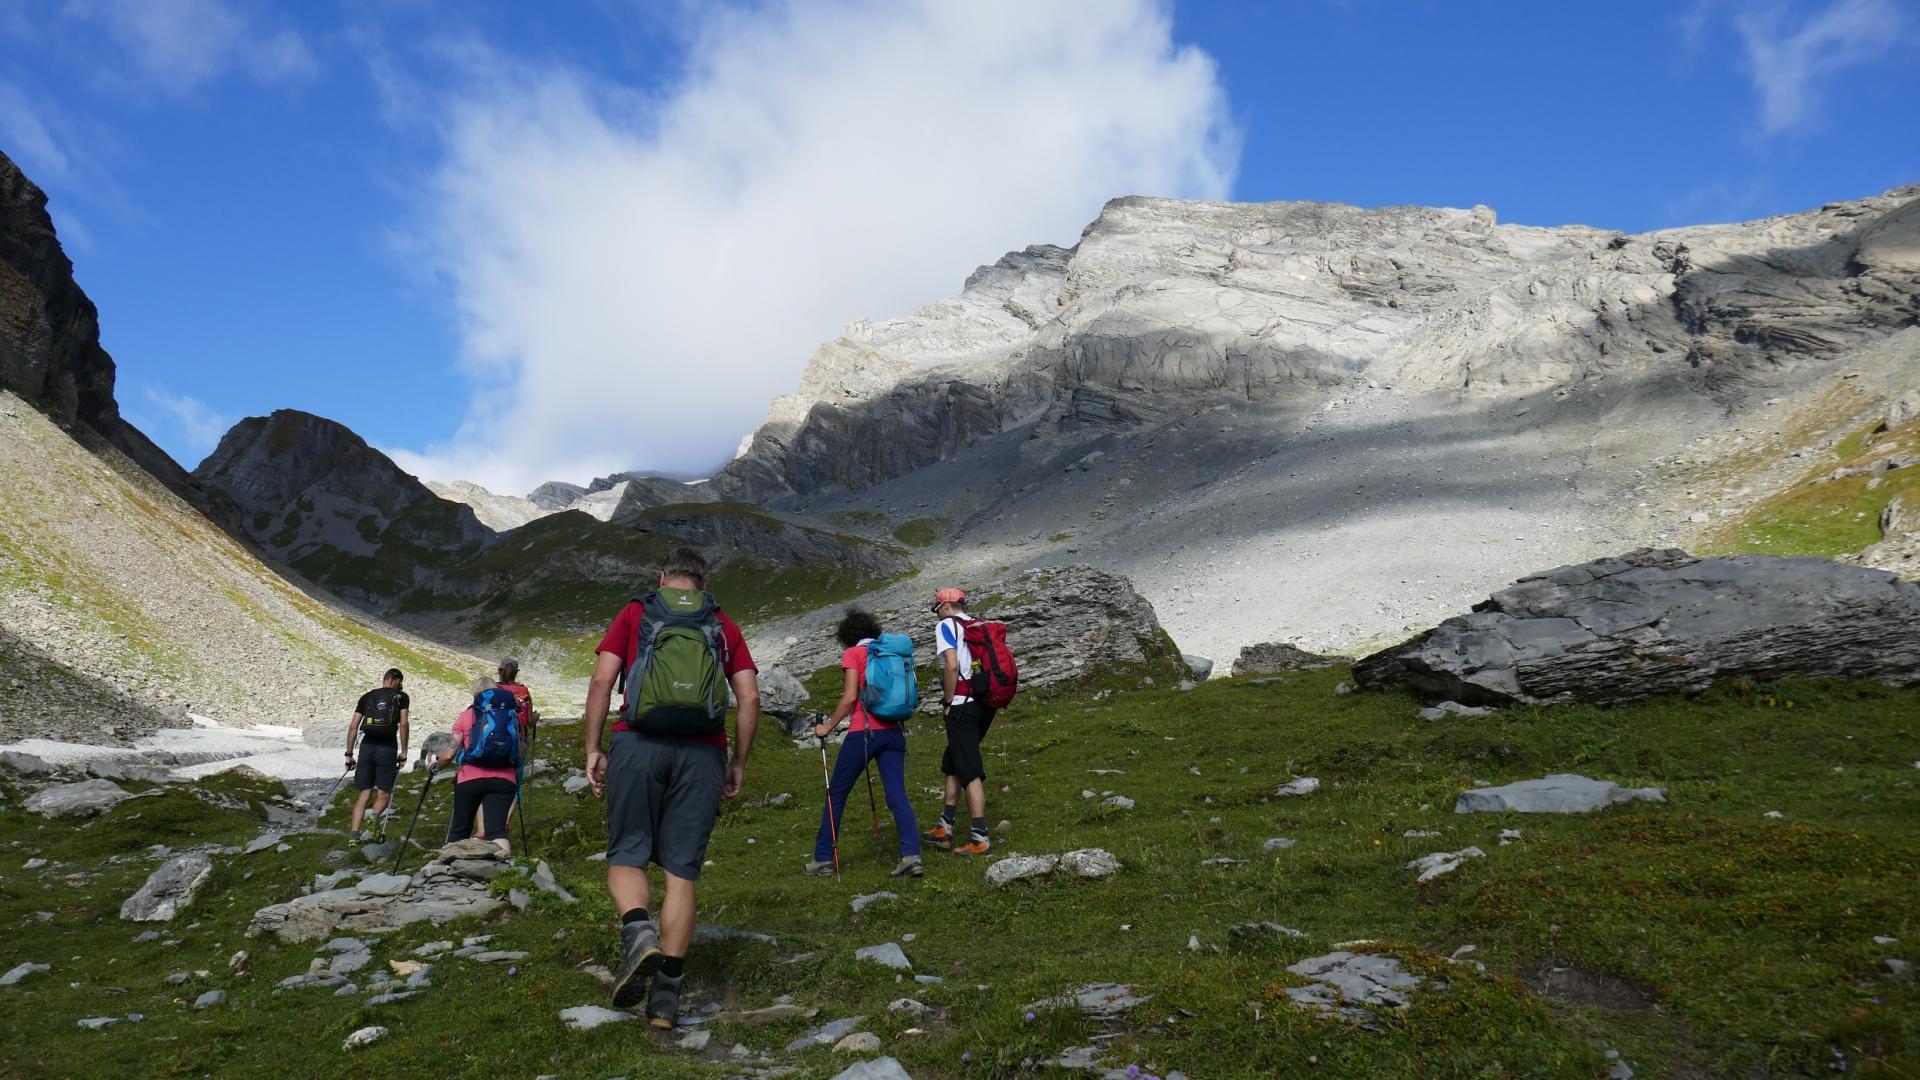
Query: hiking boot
x=940, y=836
x=640, y=957
x=908, y=866
x=663, y=1004
x=816, y=868
x=353, y=841
x=973, y=847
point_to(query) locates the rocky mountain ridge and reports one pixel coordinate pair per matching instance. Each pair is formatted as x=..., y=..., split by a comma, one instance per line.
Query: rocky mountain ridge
x=1165, y=304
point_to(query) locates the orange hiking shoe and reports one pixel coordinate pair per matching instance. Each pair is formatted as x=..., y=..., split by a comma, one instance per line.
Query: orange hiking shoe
x=940, y=836
x=972, y=847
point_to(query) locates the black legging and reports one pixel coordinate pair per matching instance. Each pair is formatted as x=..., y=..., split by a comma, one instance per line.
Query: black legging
x=492, y=796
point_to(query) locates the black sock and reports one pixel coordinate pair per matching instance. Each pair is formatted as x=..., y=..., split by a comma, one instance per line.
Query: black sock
x=638, y=914
x=673, y=966
x=947, y=816
x=980, y=829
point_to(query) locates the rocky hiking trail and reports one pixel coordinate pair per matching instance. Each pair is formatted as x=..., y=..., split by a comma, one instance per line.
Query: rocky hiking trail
x=1254, y=877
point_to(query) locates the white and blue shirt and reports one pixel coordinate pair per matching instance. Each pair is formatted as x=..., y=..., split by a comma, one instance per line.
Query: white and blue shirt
x=951, y=636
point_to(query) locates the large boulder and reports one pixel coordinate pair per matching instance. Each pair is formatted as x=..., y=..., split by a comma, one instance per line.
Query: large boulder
x=168, y=889
x=84, y=799
x=1659, y=621
x=1064, y=623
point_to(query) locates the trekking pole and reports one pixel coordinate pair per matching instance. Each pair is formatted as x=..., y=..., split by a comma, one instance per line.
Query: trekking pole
x=401, y=852
x=832, y=825
x=521, y=794
x=334, y=790
x=873, y=807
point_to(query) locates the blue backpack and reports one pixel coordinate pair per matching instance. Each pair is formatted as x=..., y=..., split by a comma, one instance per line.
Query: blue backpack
x=494, y=739
x=890, y=693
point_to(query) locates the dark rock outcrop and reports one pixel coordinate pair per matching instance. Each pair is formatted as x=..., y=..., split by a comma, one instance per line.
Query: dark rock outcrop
x=1660, y=621
x=1276, y=657
x=50, y=350
x=313, y=493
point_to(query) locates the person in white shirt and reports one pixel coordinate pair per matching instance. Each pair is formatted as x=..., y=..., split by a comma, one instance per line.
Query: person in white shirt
x=967, y=721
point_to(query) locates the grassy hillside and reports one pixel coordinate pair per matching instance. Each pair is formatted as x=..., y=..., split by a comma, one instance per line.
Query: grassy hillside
x=1723, y=942
x=1822, y=515
x=108, y=575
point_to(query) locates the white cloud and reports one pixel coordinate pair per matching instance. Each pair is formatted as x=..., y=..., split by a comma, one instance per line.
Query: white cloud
x=179, y=423
x=1789, y=64
x=636, y=277
x=180, y=44
x=26, y=136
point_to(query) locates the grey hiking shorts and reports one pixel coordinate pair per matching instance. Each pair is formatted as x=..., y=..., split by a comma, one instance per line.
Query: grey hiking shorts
x=663, y=796
x=378, y=765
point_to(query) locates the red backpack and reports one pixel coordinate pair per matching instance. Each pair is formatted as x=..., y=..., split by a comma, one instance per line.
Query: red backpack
x=999, y=677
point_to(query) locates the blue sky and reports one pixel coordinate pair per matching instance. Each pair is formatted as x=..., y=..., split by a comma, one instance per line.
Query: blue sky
x=484, y=235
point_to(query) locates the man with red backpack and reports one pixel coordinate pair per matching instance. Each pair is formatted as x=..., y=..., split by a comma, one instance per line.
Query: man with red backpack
x=971, y=698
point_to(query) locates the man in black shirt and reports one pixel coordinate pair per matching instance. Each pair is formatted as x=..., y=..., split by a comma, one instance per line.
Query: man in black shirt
x=380, y=724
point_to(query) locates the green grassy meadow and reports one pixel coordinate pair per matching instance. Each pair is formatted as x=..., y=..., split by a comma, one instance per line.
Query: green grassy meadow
x=1730, y=943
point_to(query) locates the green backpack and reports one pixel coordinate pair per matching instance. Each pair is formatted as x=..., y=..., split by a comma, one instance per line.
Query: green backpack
x=677, y=683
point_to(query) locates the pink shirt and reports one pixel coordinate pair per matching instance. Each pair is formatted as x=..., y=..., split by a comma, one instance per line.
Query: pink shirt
x=479, y=772
x=855, y=660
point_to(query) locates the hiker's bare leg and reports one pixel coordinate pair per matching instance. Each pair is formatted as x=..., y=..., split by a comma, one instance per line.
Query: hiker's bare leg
x=629, y=887
x=360, y=809
x=380, y=801
x=976, y=798
x=676, y=917
x=953, y=790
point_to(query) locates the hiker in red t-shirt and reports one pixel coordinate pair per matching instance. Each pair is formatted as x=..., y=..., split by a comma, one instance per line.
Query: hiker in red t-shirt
x=663, y=791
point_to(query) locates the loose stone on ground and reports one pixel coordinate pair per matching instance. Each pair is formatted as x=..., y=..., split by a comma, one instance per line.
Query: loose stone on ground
x=886, y=955
x=1349, y=985
x=1443, y=862
x=1558, y=793
x=588, y=1017
x=168, y=889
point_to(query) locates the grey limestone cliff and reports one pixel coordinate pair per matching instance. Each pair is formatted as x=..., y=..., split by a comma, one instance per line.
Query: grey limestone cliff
x=1164, y=304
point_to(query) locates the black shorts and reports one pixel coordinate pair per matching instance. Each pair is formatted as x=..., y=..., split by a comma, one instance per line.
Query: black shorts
x=379, y=765
x=663, y=796
x=490, y=795
x=967, y=725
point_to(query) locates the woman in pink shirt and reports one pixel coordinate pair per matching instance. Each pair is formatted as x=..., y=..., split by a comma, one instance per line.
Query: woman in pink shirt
x=488, y=789
x=869, y=739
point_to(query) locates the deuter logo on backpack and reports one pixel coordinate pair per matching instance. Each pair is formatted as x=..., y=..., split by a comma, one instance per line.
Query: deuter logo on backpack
x=493, y=741
x=676, y=684
x=996, y=678
x=888, y=691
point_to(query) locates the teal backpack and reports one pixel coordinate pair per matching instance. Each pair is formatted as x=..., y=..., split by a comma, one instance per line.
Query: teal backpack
x=889, y=692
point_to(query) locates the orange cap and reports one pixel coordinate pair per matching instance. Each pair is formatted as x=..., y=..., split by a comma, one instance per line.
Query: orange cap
x=948, y=596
